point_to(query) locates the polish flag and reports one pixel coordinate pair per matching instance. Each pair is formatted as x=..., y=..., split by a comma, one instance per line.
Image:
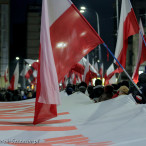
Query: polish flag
x=24, y=70
x=28, y=73
x=86, y=69
x=14, y=79
x=128, y=26
x=73, y=79
x=6, y=75
x=33, y=63
x=30, y=69
x=83, y=62
x=141, y=53
x=110, y=77
x=65, y=82
x=101, y=71
x=96, y=68
x=65, y=38
x=89, y=72
x=79, y=68
x=79, y=79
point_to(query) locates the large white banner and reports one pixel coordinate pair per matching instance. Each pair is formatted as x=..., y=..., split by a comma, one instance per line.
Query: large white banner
x=117, y=122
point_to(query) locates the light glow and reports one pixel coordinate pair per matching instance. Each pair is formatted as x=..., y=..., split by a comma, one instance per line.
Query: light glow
x=83, y=8
x=82, y=11
x=17, y=58
x=61, y=45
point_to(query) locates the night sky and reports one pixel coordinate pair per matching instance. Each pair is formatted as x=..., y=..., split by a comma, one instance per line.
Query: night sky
x=104, y=8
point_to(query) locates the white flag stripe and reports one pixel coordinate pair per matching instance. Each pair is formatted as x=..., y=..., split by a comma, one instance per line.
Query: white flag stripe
x=140, y=48
x=125, y=9
x=49, y=93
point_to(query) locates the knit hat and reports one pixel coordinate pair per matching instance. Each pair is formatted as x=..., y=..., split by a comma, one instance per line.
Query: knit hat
x=124, y=89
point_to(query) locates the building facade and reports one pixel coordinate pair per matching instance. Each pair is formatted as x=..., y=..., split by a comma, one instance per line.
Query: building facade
x=4, y=39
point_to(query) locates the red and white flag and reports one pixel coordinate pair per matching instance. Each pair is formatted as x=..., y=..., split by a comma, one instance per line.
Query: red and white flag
x=33, y=63
x=86, y=69
x=128, y=26
x=141, y=53
x=65, y=82
x=89, y=72
x=96, y=68
x=110, y=77
x=26, y=72
x=101, y=71
x=6, y=75
x=14, y=79
x=65, y=38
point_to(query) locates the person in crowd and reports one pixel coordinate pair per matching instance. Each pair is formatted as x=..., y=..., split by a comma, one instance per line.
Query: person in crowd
x=2, y=96
x=69, y=89
x=29, y=94
x=98, y=82
x=16, y=95
x=117, y=86
x=108, y=93
x=123, y=90
x=97, y=90
x=89, y=90
x=139, y=97
x=82, y=87
x=125, y=83
x=34, y=94
x=9, y=95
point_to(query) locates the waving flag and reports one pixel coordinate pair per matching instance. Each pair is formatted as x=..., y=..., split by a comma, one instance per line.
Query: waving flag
x=110, y=77
x=128, y=26
x=14, y=79
x=86, y=69
x=101, y=71
x=141, y=54
x=96, y=68
x=65, y=38
x=6, y=75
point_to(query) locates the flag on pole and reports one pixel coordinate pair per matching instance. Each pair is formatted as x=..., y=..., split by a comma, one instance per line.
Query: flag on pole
x=33, y=63
x=86, y=69
x=96, y=68
x=6, y=75
x=30, y=70
x=128, y=26
x=141, y=53
x=101, y=71
x=14, y=79
x=65, y=38
x=110, y=77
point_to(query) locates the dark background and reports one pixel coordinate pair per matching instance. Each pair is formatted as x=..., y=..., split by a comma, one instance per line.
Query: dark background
x=107, y=20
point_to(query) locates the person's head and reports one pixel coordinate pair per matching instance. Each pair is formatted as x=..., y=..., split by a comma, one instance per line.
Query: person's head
x=69, y=89
x=144, y=90
x=115, y=86
x=142, y=78
x=108, y=89
x=90, y=89
x=98, y=91
x=123, y=90
x=125, y=83
x=82, y=87
x=98, y=82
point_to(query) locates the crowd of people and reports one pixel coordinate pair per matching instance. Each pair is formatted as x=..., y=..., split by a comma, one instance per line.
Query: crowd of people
x=16, y=95
x=100, y=93
x=97, y=93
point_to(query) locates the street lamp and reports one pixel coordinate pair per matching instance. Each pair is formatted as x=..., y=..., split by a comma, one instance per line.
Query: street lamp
x=82, y=10
x=17, y=58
